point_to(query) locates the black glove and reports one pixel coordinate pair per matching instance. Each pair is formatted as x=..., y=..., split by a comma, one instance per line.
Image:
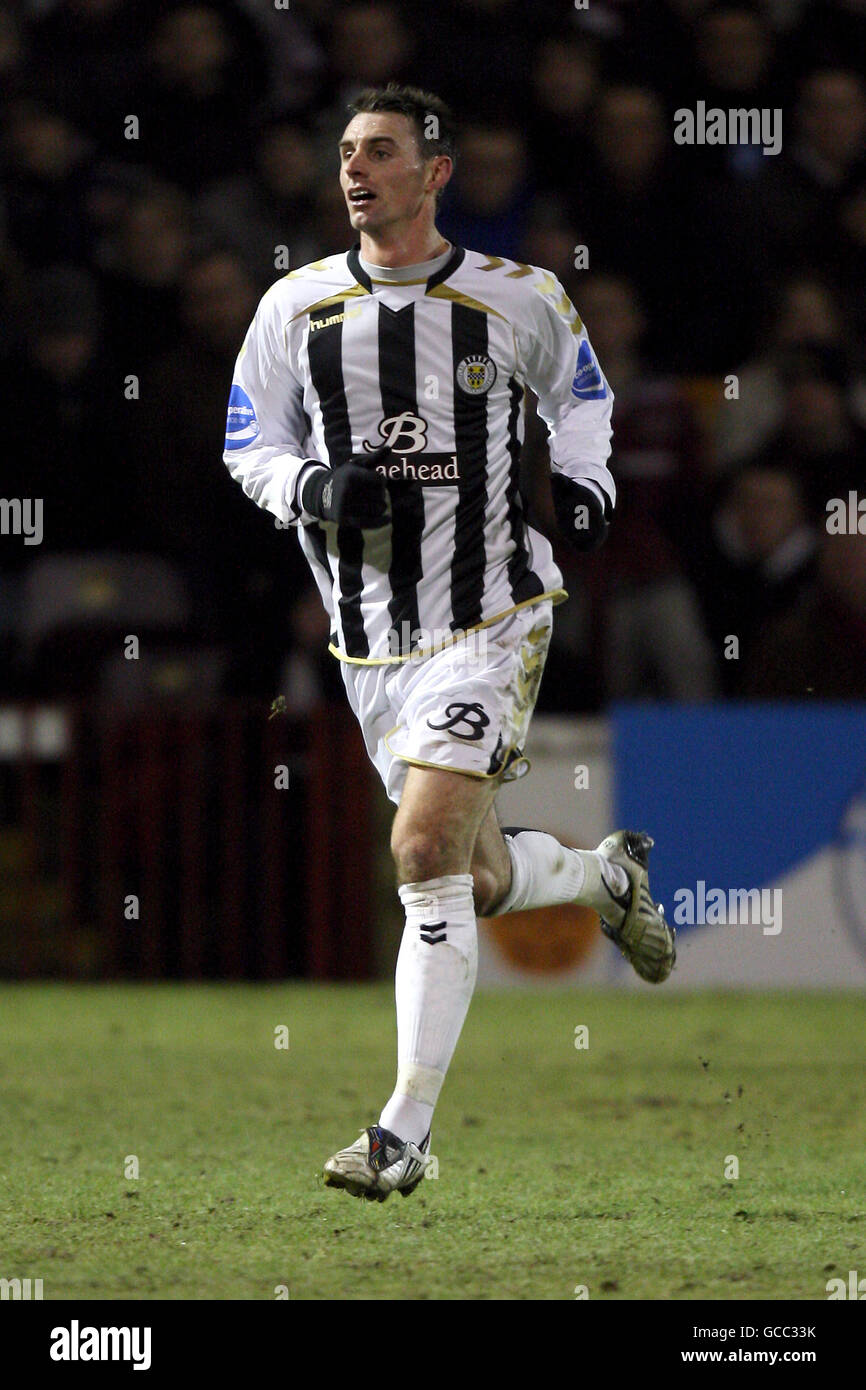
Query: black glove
x=580, y=515
x=353, y=494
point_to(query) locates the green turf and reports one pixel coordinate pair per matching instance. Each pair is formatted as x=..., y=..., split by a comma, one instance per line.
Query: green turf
x=557, y=1167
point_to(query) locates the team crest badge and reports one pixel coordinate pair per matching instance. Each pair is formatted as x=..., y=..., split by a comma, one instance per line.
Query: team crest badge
x=476, y=375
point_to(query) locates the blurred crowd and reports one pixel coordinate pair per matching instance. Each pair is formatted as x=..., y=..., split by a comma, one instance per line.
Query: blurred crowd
x=162, y=163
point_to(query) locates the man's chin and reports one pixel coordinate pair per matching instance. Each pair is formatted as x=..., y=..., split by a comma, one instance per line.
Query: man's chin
x=363, y=221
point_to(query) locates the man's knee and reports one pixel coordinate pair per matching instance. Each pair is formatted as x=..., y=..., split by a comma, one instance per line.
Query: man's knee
x=424, y=853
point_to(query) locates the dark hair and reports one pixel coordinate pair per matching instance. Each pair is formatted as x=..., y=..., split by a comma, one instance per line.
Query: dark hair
x=419, y=107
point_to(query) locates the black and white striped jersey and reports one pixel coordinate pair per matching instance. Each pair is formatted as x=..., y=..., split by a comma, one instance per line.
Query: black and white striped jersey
x=336, y=363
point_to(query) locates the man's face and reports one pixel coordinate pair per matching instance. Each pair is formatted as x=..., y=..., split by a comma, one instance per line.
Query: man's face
x=379, y=158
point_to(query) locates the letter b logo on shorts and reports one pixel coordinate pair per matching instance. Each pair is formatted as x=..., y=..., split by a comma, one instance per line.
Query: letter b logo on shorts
x=472, y=716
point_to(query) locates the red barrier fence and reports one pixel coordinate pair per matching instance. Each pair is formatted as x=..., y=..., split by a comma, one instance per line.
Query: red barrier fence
x=183, y=842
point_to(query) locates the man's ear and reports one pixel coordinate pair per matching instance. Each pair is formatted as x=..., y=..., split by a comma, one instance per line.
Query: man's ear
x=442, y=171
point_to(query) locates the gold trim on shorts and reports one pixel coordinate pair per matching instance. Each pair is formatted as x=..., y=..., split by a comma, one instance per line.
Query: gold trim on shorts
x=556, y=596
x=461, y=771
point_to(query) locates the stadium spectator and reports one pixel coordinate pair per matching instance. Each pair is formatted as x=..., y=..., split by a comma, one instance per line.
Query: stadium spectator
x=734, y=52
x=801, y=188
x=370, y=43
x=234, y=559
x=270, y=204
x=309, y=676
x=487, y=68
x=297, y=57
x=818, y=438
x=819, y=649
x=106, y=38
x=491, y=201
x=142, y=259
x=61, y=408
x=46, y=182
x=758, y=560
x=550, y=241
x=629, y=208
x=196, y=95
x=803, y=310
x=566, y=74
x=649, y=626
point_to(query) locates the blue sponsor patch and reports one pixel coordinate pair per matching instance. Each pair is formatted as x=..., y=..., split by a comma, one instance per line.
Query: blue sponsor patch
x=242, y=427
x=588, y=384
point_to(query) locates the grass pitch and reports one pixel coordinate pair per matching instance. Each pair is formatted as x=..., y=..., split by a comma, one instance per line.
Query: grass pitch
x=559, y=1167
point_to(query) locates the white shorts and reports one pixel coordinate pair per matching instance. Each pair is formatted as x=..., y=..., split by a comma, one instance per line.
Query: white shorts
x=467, y=708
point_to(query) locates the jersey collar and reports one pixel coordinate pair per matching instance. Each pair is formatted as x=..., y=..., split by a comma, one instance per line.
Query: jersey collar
x=353, y=260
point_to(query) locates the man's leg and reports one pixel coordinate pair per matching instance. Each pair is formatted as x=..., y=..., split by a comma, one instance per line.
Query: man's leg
x=517, y=868
x=452, y=862
x=432, y=841
x=529, y=868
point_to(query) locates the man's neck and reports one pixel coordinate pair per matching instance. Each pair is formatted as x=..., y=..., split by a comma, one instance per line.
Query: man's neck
x=413, y=248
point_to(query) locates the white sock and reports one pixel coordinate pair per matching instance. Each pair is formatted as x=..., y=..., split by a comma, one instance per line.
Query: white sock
x=435, y=978
x=545, y=873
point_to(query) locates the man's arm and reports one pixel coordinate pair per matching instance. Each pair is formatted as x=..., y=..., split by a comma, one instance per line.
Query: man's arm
x=265, y=426
x=265, y=429
x=575, y=402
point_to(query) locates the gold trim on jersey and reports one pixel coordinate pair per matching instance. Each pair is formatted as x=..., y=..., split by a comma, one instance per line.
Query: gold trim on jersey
x=312, y=265
x=350, y=292
x=546, y=286
x=443, y=291
x=496, y=263
x=556, y=595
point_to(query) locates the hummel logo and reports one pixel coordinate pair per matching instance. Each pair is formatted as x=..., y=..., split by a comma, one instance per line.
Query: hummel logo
x=434, y=932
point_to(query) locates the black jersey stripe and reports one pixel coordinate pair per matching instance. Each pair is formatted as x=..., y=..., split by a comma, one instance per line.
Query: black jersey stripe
x=397, y=388
x=525, y=583
x=325, y=353
x=469, y=338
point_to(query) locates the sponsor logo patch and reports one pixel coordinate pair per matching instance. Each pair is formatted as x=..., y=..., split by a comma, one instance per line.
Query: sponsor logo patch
x=588, y=383
x=242, y=427
x=431, y=470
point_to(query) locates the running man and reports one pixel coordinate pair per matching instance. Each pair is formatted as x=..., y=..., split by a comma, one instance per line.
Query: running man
x=377, y=407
